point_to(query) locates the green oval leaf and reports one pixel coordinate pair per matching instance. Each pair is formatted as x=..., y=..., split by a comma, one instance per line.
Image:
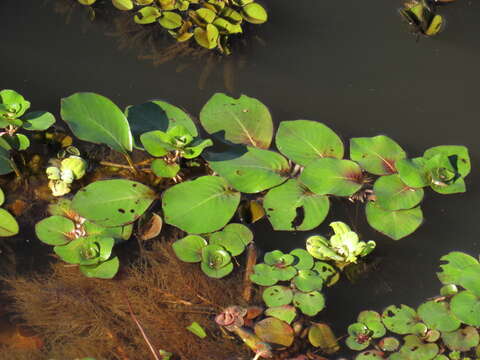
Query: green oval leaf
x=461, y=340
x=304, y=140
x=452, y=270
x=458, y=156
x=239, y=121
x=94, y=118
x=8, y=224
x=395, y=224
x=249, y=169
x=54, y=230
x=170, y=20
x=393, y=194
x=113, y=202
x=147, y=15
x=332, y=176
x=216, y=261
x=377, y=154
x=400, y=320
x=200, y=206
x=285, y=313
x=105, y=270
x=308, y=280
x=163, y=169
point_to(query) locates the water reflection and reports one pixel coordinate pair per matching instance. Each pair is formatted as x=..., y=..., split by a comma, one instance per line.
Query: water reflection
x=152, y=44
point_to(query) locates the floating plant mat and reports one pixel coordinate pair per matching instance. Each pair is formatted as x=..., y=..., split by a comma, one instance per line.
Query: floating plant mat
x=78, y=317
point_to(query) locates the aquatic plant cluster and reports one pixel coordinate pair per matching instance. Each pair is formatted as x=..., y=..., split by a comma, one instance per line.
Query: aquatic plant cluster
x=200, y=191
x=211, y=23
x=294, y=186
x=443, y=328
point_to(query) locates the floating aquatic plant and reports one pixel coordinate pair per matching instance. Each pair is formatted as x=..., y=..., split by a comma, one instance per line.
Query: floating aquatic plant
x=445, y=327
x=211, y=23
x=421, y=17
x=67, y=168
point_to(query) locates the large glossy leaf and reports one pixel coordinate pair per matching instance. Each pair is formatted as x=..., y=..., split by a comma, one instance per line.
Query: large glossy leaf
x=5, y=162
x=95, y=118
x=275, y=331
x=377, y=154
x=413, y=172
x=291, y=206
x=8, y=224
x=466, y=307
x=249, y=169
x=157, y=115
x=55, y=230
x=113, y=202
x=200, y=206
x=395, y=224
x=455, y=263
x=304, y=140
x=458, y=156
x=393, y=194
x=332, y=176
x=239, y=121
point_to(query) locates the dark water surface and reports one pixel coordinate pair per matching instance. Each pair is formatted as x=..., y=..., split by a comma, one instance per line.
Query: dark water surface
x=349, y=64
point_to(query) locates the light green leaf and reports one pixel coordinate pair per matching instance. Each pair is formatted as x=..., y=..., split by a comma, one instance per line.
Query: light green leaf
x=277, y=295
x=377, y=154
x=400, y=320
x=95, y=118
x=147, y=15
x=393, y=194
x=458, y=156
x=234, y=238
x=197, y=329
x=395, y=224
x=466, y=307
x=332, y=176
x=170, y=20
x=105, y=270
x=239, y=121
x=200, y=206
x=456, y=263
x=163, y=169
x=437, y=316
x=8, y=224
x=189, y=248
x=208, y=37
x=123, y=4
x=249, y=169
x=461, y=340
x=285, y=313
x=303, y=141
x=55, y=230
x=38, y=120
x=309, y=303
x=413, y=172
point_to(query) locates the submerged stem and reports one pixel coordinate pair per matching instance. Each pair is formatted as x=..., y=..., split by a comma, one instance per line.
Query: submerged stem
x=130, y=162
x=247, y=283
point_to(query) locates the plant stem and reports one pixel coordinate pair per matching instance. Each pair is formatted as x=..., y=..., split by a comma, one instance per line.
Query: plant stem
x=15, y=169
x=130, y=162
x=251, y=261
x=108, y=163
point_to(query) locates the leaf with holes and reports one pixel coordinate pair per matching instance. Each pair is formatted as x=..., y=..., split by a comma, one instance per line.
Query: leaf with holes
x=277, y=296
x=291, y=206
x=239, y=121
x=113, y=202
x=304, y=140
x=302, y=259
x=461, y=340
x=200, y=206
x=250, y=170
x=332, y=176
x=400, y=320
x=414, y=349
x=393, y=194
x=395, y=224
x=458, y=156
x=373, y=321
x=377, y=154
x=308, y=280
x=94, y=118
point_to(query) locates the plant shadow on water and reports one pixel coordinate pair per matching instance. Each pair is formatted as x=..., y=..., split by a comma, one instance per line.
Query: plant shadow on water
x=152, y=44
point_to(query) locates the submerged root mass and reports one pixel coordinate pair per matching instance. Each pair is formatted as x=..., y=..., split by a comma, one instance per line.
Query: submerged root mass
x=78, y=317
